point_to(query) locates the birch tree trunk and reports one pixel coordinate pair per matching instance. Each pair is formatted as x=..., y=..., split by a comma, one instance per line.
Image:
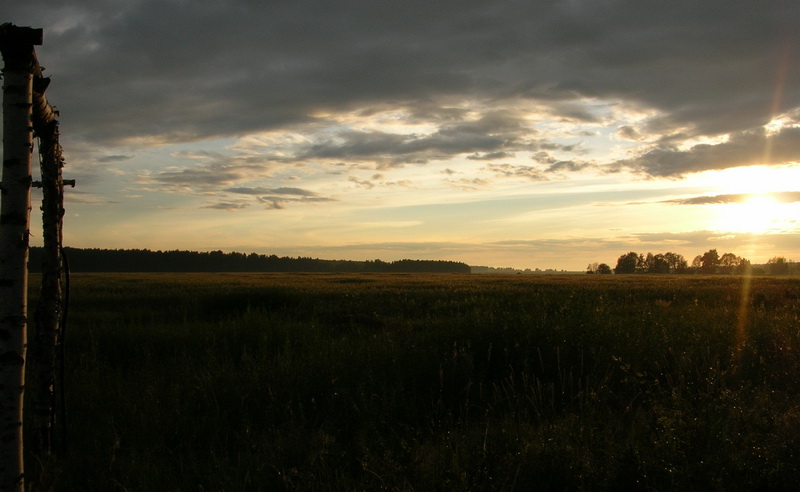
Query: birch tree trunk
x=16, y=45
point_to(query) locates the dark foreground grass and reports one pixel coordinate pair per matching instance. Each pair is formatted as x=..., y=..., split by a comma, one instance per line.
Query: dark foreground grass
x=430, y=382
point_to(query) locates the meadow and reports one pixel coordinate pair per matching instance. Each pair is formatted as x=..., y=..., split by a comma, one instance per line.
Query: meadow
x=231, y=382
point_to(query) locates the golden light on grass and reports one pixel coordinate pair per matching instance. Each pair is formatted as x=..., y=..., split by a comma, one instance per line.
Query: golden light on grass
x=741, y=323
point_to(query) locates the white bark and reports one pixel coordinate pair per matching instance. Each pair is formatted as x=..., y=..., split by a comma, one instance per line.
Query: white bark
x=14, y=231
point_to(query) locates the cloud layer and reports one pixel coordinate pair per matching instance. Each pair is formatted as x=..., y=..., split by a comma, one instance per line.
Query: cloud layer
x=146, y=69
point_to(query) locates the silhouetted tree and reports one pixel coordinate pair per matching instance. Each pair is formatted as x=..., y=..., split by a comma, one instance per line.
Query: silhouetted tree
x=658, y=264
x=744, y=267
x=730, y=263
x=677, y=263
x=709, y=261
x=143, y=260
x=627, y=263
x=778, y=265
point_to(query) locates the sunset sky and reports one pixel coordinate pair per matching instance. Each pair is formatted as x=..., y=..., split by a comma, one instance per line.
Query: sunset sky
x=526, y=134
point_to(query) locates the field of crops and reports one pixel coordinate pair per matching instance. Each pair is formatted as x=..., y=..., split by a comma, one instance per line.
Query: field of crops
x=429, y=382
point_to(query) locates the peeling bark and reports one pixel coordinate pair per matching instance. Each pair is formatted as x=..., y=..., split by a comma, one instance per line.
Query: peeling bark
x=46, y=329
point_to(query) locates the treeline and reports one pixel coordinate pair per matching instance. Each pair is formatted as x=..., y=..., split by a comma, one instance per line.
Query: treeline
x=511, y=270
x=710, y=262
x=145, y=260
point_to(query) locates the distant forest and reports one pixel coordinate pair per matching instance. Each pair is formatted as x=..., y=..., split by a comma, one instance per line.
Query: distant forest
x=144, y=260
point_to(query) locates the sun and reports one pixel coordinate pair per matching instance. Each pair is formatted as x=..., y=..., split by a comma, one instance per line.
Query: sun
x=755, y=214
x=751, y=199
x=754, y=180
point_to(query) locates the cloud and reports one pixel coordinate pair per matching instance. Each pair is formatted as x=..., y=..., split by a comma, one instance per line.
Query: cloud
x=710, y=200
x=114, y=158
x=574, y=111
x=228, y=206
x=744, y=148
x=274, y=191
x=201, y=176
x=494, y=133
x=218, y=174
x=786, y=196
x=76, y=197
x=513, y=171
x=264, y=66
x=379, y=180
x=276, y=198
x=212, y=170
x=567, y=166
x=627, y=132
x=363, y=183
x=491, y=156
x=781, y=197
x=273, y=204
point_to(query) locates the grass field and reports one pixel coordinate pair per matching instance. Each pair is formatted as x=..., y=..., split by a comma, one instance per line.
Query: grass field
x=429, y=382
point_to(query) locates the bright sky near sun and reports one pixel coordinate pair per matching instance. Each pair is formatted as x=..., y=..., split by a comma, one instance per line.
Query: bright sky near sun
x=546, y=134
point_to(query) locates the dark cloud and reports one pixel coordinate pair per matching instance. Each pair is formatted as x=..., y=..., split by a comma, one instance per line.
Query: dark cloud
x=567, y=166
x=228, y=206
x=491, y=156
x=148, y=70
x=628, y=132
x=201, y=177
x=574, y=112
x=279, y=201
x=488, y=135
x=249, y=191
x=550, y=146
x=745, y=148
x=277, y=198
x=213, y=170
x=159, y=70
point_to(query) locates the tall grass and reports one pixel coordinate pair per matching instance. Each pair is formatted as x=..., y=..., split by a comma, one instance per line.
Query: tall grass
x=429, y=382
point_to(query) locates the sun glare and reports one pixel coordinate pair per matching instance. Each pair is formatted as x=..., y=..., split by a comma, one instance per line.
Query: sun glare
x=751, y=198
x=755, y=179
x=758, y=214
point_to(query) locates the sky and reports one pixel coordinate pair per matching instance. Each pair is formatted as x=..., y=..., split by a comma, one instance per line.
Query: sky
x=525, y=134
